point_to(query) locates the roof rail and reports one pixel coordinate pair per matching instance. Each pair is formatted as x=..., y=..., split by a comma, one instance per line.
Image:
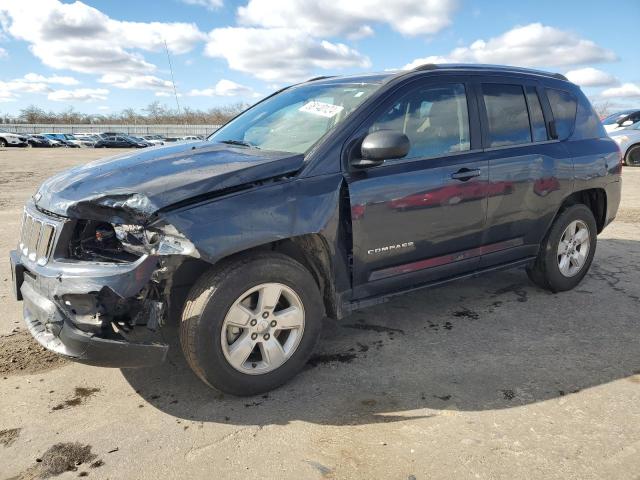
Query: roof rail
x=479, y=66
x=426, y=66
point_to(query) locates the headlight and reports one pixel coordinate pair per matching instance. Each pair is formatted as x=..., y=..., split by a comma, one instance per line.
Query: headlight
x=164, y=241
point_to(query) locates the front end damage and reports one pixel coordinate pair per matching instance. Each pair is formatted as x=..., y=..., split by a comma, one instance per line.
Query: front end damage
x=96, y=290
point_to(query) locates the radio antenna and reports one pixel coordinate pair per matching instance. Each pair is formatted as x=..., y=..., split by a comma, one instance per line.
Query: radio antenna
x=175, y=92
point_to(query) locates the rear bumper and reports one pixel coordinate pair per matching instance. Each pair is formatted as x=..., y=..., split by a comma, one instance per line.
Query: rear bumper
x=54, y=329
x=613, y=192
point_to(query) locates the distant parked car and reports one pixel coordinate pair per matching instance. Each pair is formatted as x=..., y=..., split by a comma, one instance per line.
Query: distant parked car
x=82, y=140
x=60, y=137
x=8, y=139
x=105, y=135
x=141, y=140
x=192, y=138
x=621, y=120
x=40, y=141
x=120, y=141
x=628, y=140
x=154, y=139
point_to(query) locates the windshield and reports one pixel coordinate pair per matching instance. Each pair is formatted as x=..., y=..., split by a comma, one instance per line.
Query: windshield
x=611, y=119
x=295, y=119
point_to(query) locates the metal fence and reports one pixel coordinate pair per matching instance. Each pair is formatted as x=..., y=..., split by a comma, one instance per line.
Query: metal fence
x=164, y=130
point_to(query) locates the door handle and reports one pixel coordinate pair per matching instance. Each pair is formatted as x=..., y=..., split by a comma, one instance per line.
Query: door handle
x=465, y=174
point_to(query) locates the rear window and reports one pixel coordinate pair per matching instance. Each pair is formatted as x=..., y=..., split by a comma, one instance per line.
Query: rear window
x=507, y=115
x=563, y=106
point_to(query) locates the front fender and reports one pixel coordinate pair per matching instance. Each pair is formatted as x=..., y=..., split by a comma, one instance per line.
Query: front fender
x=224, y=226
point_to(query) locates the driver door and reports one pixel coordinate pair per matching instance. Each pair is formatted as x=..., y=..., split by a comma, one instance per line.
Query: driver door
x=421, y=218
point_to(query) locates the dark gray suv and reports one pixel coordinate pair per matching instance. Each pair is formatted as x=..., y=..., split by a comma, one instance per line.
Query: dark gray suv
x=327, y=196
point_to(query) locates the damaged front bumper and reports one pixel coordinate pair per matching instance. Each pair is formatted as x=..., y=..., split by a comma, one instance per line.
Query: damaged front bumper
x=50, y=293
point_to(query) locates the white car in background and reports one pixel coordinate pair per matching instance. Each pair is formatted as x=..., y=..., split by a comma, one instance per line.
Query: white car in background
x=628, y=140
x=621, y=120
x=12, y=139
x=153, y=139
x=89, y=139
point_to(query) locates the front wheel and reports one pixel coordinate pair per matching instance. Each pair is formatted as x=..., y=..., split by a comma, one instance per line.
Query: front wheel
x=567, y=251
x=251, y=324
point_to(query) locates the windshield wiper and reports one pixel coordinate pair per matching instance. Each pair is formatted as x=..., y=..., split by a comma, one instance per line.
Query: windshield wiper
x=238, y=142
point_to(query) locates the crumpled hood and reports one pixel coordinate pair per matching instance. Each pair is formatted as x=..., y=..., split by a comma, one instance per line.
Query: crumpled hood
x=135, y=185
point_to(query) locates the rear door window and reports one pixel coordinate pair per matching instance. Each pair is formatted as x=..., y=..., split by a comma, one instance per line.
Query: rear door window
x=563, y=106
x=506, y=114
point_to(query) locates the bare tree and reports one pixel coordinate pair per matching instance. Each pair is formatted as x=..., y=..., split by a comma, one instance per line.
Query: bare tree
x=603, y=109
x=155, y=113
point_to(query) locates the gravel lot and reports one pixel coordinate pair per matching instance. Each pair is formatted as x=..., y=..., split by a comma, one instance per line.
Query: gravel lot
x=486, y=378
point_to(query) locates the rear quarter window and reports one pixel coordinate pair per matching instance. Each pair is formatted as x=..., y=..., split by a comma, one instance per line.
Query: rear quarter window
x=564, y=107
x=588, y=124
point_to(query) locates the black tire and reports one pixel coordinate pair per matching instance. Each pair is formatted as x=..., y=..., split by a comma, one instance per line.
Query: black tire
x=632, y=158
x=211, y=298
x=545, y=271
x=3, y=143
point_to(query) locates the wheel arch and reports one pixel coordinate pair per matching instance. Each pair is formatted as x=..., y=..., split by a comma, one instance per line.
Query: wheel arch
x=594, y=198
x=310, y=250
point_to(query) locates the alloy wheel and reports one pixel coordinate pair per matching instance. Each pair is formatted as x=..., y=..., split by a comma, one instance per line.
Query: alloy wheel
x=263, y=328
x=573, y=248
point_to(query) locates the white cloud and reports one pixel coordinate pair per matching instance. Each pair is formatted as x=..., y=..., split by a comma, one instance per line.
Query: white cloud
x=533, y=45
x=37, y=78
x=224, y=88
x=280, y=54
x=591, y=77
x=3, y=53
x=626, y=90
x=81, y=38
x=351, y=18
x=104, y=107
x=79, y=95
x=208, y=4
x=140, y=82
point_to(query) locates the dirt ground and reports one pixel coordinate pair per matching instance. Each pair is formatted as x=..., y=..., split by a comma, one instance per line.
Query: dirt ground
x=490, y=378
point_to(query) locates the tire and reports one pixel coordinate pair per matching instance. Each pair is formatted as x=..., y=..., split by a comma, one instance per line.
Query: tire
x=207, y=340
x=3, y=143
x=632, y=158
x=546, y=271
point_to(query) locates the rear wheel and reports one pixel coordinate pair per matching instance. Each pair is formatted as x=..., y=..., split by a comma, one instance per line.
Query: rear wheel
x=567, y=251
x=251, y=324
x=632, y=158
x=3, y=142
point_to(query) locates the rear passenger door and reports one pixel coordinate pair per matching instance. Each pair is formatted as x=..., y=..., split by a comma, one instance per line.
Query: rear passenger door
x=529, y=171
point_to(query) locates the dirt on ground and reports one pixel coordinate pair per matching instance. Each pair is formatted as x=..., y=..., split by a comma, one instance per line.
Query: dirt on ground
x=20, y=354
x=488, y=378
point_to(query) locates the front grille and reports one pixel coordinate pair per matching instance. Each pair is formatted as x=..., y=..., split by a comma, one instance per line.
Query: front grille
x=37, y=237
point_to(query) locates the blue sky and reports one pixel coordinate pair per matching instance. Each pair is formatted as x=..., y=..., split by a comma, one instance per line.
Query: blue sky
x=107, y=55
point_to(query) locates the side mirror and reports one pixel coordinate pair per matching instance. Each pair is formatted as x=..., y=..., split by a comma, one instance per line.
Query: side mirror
x=380, y=146
x=626, y=123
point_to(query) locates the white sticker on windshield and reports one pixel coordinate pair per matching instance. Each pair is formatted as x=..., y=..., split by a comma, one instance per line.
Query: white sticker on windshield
x=359, y=94
x=321, y=108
